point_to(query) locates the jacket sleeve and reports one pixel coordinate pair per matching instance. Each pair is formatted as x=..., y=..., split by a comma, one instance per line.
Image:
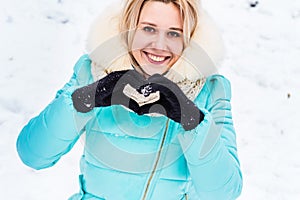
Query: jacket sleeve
x=55, y=130
x=210, y=148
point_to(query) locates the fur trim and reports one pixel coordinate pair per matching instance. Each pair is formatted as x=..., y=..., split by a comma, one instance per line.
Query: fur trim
x=193, y=65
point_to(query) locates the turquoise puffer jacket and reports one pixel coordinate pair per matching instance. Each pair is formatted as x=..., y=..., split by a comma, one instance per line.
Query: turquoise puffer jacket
x=132, y=157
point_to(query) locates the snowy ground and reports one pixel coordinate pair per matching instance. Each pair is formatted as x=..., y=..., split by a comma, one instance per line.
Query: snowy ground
x=41, y=41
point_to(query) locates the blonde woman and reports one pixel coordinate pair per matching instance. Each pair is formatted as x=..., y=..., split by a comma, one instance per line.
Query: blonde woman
x=156, y=115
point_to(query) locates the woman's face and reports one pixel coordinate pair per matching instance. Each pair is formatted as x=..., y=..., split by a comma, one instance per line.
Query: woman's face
x=158, y=41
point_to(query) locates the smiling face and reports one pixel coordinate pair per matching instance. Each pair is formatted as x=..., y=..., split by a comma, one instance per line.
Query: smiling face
x=158, y=40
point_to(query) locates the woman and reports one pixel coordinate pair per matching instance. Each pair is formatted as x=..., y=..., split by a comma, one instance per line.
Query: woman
x=156, y=126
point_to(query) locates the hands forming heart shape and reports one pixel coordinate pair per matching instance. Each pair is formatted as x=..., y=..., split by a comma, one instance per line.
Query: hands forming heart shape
x=157, y=94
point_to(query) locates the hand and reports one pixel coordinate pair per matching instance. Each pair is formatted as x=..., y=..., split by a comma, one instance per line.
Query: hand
x=173, y=103
x=108, y=91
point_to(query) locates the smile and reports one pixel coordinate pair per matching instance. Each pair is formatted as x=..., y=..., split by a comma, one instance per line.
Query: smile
x=155, y=58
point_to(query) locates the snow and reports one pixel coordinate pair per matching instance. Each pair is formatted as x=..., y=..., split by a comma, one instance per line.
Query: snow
x=42, y=40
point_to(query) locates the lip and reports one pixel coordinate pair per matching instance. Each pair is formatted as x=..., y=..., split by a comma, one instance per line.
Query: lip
x=156, y=59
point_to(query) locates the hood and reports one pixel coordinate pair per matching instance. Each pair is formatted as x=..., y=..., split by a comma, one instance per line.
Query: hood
x=107, y=52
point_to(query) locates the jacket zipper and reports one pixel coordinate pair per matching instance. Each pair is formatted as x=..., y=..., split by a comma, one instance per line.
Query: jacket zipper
x=186, y=197
x=156, y=161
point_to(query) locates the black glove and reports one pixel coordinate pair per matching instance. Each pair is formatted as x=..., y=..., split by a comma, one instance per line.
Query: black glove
x=173, y=103
x=108, y=91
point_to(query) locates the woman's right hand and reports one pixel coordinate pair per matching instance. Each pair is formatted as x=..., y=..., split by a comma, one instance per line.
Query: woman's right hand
x=108, y=91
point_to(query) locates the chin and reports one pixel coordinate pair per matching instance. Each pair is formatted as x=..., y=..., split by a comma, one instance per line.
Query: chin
x=155, y=69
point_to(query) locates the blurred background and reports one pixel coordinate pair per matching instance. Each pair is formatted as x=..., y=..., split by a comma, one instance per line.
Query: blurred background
x=41, y=41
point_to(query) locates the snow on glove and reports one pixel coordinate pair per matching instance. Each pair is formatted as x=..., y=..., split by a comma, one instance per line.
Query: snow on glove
x=172, y=103
x=108, y=91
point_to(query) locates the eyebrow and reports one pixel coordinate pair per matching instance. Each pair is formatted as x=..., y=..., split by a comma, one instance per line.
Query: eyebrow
x=172, y=28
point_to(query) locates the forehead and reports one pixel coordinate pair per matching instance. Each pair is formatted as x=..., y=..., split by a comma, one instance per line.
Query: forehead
x=162, y=14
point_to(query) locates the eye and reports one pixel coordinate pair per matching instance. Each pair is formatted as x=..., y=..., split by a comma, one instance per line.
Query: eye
x=149, y=29
x=174, y=34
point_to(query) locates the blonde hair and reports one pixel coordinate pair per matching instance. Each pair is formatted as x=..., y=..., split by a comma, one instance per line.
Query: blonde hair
x=132, y=10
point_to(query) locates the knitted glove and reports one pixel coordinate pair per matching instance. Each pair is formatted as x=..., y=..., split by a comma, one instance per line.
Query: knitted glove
x=108, y=91
x=172, y=103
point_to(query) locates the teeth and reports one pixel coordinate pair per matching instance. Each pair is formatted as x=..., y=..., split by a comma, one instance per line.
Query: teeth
x=156, y=58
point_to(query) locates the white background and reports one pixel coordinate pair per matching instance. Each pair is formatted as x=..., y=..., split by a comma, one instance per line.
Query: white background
x=41, y=41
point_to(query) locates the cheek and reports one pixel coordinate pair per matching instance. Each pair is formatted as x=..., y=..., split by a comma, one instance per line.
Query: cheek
x=137, y=56
x=140, y=41
x=176, y=47
x=173, y=61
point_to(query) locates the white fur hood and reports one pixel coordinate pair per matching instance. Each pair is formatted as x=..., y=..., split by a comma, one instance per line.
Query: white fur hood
x=108, y=54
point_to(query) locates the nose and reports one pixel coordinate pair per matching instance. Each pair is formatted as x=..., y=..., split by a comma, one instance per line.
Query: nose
x=160, y=41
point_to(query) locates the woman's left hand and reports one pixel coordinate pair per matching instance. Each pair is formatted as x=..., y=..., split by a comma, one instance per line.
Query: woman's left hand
x=172, y=103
